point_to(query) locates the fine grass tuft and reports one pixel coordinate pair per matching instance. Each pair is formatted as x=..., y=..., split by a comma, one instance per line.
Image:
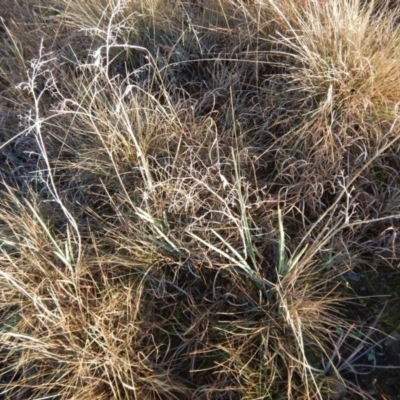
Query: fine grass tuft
x=195, y=197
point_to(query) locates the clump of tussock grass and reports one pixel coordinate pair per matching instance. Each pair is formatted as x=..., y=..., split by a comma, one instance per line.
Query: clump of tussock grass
x=185, y=194
x=341, y=68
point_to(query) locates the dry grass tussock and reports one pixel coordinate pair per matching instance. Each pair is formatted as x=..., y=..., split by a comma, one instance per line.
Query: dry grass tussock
x=186, y=188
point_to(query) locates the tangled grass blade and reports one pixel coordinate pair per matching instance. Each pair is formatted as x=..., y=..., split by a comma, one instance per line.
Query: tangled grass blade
x=196, y=199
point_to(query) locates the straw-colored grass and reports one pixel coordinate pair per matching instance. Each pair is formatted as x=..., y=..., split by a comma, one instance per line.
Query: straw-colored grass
x=184, y=188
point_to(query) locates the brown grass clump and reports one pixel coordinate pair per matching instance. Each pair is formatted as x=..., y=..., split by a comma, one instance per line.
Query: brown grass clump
x=197, y=199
